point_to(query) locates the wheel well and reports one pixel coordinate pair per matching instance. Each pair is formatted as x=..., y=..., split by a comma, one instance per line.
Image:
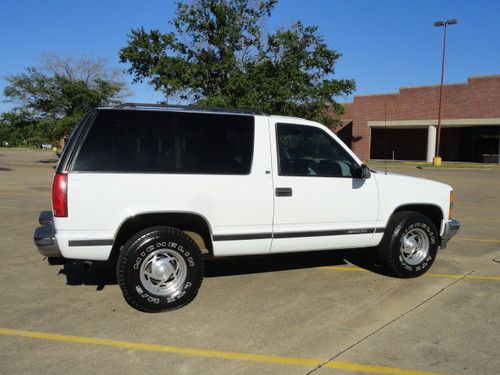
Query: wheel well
x=193, y=225
x=432, y=212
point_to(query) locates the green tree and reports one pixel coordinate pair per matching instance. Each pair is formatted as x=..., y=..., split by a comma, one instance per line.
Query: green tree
x=220, y=55
x=17, y=128
x=51, y=98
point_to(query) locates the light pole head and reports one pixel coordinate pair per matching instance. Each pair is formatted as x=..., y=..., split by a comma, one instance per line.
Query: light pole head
x=452, y=21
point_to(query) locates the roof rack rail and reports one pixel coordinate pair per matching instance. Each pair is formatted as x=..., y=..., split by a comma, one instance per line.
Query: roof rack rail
x=190, y=107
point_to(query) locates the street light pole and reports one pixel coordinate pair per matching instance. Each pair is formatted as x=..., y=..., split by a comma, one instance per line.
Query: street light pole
x=437, y=157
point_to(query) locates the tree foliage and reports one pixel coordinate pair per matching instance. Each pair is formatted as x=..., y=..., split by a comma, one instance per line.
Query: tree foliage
x=220, y=55
x=51, y=98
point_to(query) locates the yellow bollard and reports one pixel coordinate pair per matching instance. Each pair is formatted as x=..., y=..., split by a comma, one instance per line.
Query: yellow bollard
x=436, y=161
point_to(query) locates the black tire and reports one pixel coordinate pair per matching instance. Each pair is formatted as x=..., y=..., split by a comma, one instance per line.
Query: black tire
x=56, y=261
x=179, y=254
x=403, y=225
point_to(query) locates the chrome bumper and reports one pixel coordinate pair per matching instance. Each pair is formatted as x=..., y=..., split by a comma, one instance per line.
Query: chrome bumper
x=451, y=228
x=45, y=236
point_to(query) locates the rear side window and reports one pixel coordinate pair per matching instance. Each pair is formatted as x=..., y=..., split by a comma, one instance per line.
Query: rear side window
x=167, y=142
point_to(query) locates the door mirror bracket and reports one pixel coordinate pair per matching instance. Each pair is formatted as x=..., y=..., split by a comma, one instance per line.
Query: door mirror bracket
x=363, y=172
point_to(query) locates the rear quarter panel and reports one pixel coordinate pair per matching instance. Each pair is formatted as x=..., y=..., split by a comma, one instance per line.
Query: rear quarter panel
x=98, y=203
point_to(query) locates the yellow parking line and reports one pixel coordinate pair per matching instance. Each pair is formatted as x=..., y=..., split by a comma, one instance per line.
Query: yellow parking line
x=487, y=220
x=445, y=275
x=476, y=239
x=458, y=207
x=5, y=194
x=263, y=358
x=451, y=276
x=341, y=268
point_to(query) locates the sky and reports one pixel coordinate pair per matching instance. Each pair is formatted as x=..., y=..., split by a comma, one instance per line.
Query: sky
x=384, y=44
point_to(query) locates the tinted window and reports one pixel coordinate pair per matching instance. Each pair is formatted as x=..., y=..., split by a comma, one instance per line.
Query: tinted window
x=167, y=142
x=309, y=151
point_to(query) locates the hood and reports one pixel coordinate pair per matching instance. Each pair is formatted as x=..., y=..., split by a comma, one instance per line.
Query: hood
x=391, y=177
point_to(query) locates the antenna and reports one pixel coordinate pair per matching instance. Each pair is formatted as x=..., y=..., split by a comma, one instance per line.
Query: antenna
x=385, y=134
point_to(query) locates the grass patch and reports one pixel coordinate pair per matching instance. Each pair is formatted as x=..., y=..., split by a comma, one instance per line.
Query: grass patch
x=425, y=164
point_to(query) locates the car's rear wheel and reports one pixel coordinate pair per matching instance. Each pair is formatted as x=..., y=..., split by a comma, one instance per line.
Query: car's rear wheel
x=410, y=244
x=160, y=269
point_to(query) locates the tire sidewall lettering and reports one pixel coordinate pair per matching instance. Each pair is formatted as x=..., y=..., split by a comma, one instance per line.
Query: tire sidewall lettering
x=146, y=296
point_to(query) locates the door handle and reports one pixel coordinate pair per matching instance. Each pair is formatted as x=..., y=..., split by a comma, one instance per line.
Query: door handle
x=283, y=192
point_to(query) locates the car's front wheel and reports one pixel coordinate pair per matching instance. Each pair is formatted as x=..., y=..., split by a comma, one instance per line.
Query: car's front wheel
x=410, y=244
x=160, y=269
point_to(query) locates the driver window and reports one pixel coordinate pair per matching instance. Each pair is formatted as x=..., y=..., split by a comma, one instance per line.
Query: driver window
x=309, y=151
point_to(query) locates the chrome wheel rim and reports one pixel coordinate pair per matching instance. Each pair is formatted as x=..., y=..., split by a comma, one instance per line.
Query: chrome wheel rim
x=163, y=272
x=414, y=246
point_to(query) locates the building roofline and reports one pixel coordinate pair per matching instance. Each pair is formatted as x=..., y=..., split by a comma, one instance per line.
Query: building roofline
x=430, y=86
x=484, y=76
x=382, y=94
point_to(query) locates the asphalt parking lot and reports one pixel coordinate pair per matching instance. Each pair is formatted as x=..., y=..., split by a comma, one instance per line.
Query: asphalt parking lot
x=319, y=313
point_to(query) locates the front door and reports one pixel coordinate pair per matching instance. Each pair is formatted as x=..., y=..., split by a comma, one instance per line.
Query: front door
x=318, y=204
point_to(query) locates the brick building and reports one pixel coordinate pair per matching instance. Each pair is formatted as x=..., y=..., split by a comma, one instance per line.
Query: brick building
x=403, y=125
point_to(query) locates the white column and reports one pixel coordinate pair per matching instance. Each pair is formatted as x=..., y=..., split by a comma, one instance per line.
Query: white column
x=431, y=142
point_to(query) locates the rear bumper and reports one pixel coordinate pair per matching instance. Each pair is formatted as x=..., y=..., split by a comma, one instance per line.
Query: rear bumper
x=45, y=236
x=451, y=228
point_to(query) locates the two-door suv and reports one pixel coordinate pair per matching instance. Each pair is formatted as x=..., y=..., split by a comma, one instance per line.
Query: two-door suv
x=162, y=187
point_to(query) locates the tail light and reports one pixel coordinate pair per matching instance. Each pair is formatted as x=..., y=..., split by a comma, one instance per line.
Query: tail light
x=452, y=202
x=60, y=195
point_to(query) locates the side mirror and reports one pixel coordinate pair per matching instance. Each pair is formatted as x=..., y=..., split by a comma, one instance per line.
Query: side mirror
x=362, y=172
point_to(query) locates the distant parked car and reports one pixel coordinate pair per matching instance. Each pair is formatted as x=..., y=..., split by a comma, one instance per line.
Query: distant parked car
x=46, y=146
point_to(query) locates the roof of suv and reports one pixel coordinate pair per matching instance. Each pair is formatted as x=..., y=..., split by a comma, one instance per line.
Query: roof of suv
x=197, y=109
x=184, y=108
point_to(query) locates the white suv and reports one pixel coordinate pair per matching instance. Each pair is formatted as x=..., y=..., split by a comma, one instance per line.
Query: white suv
x=158, y=187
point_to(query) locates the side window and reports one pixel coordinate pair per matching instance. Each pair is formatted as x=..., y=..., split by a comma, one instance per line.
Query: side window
x=168, y=142
x=309, y=151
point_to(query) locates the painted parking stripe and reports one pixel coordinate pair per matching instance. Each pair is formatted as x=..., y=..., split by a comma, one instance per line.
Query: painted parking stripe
x=491, y=240
x=486, y=220
x=196, y=352
x=478, y=277
x=428, y=274
x=475, y=208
